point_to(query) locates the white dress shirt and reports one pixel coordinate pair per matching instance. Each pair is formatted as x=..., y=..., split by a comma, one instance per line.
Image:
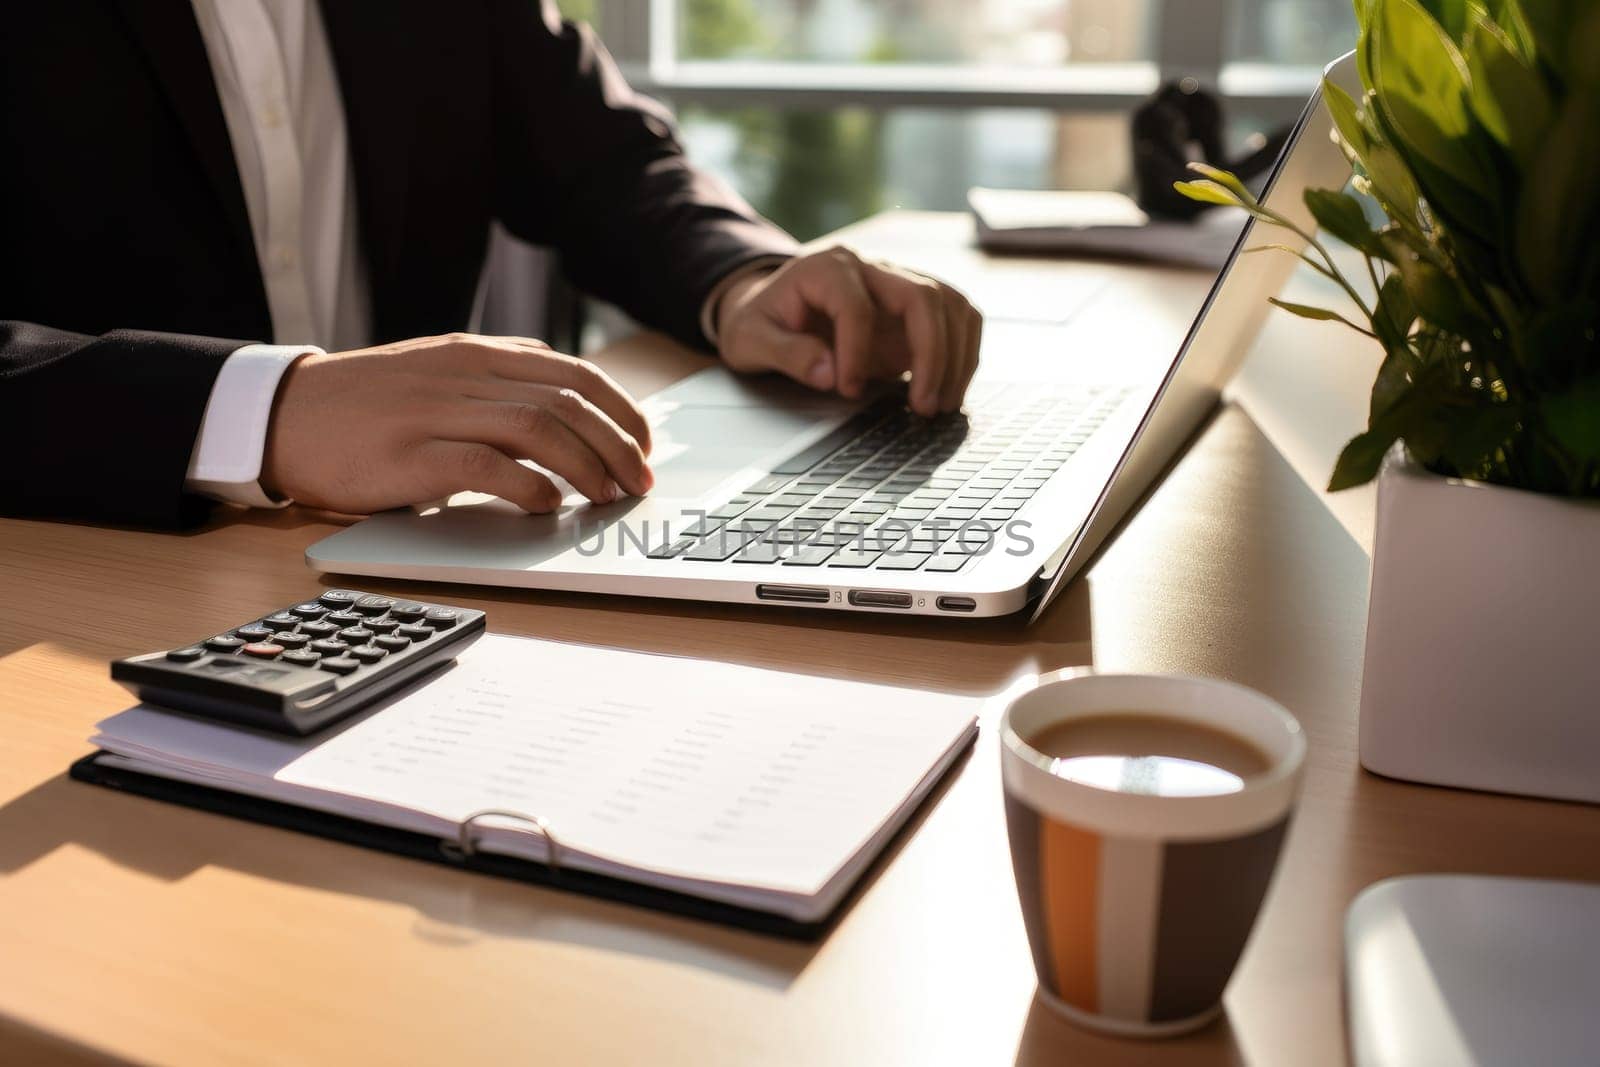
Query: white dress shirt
x=280, y=98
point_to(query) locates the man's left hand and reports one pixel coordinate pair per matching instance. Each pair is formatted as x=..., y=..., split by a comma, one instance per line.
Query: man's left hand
x=835, y=321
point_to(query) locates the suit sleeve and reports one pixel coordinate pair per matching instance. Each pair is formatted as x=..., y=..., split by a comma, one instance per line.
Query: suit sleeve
x=101, y=428
x=585, y=164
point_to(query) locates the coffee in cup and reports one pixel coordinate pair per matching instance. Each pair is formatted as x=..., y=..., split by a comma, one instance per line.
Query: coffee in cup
x=1146, y=815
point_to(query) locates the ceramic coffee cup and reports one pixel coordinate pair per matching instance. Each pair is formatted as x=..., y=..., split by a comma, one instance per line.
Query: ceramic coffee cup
x=1138, y=906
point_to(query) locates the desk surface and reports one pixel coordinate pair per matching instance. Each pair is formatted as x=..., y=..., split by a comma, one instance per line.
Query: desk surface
x=142, y=931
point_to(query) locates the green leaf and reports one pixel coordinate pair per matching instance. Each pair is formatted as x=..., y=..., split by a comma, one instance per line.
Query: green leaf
x=1208, y=192
x=1341, y=215
x=1549, y=24
x=1420, y=85
x=1226, y=179
x=1507, y=96
x=1436, y=297
x=1507, y=16
x=1392, y=183
x=1391, y=321
x=1415, y=61
x=1556, y=218
x=1360, y=459
x=1468, y=434
x=1451, y=15
x=1307, y=311
x=1573, y=420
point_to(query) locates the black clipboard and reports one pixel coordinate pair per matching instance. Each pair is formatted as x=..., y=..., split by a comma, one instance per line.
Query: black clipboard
x=432, y=849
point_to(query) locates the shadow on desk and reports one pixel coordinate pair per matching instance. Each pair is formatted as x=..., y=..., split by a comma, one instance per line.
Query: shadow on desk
x=451, y=907
x=27, y=1045
x=956, y=655
x=1044, y=1035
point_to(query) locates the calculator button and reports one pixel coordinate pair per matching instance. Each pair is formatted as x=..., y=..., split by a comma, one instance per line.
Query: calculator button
x=345, y=618
x=262, y=650
x=328, y=647
x=341, y=665
x=442, y=618
x=390, y=642
x=408, y=610
x=310, y=610
x=355, y=635
x=318, y=628
x=186, y=655
x=368, y=653
x=337, y=598
x=416, y=633
x=381, y=626
x=288, y=640
x=225, y=643
x=301, y=656
x=253, y=632
x=374, y=605
x=281, y=621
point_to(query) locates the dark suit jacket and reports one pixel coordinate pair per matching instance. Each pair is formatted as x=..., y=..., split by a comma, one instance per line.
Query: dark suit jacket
x=127, y=266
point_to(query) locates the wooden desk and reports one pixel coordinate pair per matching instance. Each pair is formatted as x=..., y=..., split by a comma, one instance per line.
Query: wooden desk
x=137, y=930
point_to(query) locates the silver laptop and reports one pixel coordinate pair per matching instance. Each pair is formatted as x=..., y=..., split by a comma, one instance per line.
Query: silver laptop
x=768, y=494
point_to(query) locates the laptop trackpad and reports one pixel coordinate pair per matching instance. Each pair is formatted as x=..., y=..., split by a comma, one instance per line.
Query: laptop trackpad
x=697, y=448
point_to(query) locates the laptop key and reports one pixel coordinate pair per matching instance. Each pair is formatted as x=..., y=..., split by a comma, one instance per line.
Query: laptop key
x=854, y=558
x=770, y=484
x=946, y=564
x=812, y=555
x=701, y=528
x=809, y=457
x=762, y=552
x=833, y=537
x=769, y=513
x=671, y=549
x=732, y=509
x=902, y=561
x=715, y=549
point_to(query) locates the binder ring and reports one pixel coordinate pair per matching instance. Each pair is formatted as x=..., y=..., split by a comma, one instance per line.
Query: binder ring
x=465, y=843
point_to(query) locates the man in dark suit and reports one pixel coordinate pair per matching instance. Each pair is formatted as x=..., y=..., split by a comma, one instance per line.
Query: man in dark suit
x=236, y=237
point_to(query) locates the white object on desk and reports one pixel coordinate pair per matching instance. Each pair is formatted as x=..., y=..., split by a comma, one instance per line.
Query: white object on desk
x=750, y=787
x=1447, y=970
x=1099, y=224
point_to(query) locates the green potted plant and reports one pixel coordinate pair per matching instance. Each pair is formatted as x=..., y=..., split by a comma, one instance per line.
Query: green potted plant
x=1475, y=206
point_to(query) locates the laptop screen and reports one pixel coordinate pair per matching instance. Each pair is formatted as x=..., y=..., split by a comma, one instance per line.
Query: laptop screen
x=1222, y=331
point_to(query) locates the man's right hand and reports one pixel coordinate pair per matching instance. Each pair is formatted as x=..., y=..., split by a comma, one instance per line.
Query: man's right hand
x=418, y=420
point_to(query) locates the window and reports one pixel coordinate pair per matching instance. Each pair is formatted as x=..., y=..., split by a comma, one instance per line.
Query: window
x=1030, y=33
x=823, y=111
x=1290, y=32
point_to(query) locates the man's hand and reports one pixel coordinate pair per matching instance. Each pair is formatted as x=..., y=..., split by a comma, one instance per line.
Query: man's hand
x=404, y=423
x=835, y=321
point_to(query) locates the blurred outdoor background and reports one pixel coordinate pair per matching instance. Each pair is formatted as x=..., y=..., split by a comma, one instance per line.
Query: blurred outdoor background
x=824, y=111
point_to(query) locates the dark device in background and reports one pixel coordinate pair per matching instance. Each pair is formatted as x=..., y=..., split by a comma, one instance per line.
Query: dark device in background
x=1181, y=123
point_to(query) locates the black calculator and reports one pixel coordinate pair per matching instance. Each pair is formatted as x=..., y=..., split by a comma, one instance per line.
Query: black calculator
x=297, y=670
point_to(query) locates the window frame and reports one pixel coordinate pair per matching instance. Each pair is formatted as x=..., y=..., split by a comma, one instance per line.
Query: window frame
x=642, y=35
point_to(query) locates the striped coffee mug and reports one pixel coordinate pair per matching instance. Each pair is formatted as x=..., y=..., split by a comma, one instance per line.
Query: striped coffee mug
x=1138, y=905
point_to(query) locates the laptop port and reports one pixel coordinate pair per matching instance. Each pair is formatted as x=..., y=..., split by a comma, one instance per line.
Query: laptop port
x=957, y=603
x=879, y=598
x=794, y=594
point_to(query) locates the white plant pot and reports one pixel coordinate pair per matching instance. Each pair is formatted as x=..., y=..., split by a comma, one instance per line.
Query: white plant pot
x=1483, y=637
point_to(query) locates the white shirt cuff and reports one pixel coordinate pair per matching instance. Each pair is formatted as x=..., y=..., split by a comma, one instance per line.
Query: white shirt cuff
x=226, y=461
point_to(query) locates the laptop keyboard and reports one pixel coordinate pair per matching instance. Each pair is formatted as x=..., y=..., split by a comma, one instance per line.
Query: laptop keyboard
x=892, y=491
